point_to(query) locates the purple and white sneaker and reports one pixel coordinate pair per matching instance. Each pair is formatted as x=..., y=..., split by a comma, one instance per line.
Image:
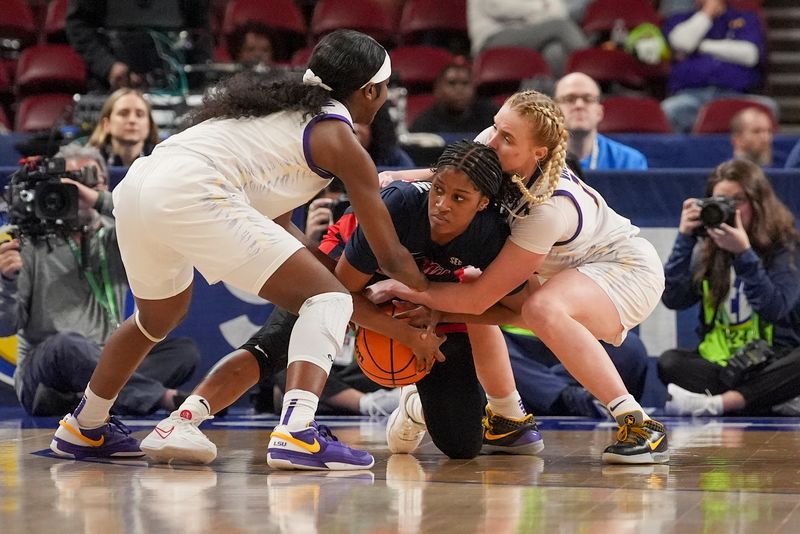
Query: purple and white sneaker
x=314, y=447
x=112, y=440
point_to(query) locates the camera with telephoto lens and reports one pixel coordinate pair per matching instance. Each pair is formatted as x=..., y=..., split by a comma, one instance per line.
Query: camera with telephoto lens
x=39, y=205
x=714, y=211
x=746, y=361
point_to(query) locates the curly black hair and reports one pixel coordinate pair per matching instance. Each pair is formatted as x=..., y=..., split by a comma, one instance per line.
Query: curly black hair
x=344, y=60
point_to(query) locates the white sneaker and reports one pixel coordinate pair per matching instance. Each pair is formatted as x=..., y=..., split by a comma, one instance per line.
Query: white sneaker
x=684, y=402
x=403, y=434
x=176, y=438
x=380, y=403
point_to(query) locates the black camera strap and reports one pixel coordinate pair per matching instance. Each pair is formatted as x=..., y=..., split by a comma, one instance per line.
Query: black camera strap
x=104, y=297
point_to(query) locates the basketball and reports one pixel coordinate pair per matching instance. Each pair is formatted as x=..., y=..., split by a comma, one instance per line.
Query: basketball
x=385, y=361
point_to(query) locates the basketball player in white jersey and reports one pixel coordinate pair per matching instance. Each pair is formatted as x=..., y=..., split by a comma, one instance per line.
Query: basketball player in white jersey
x=218, y=198
x=590, y=277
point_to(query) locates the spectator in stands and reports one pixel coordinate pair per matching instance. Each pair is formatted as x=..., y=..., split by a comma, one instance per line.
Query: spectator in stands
x=455, y=107
x=717, y=51
x=543, y=25
x=123, y=43
x=578, y=96
x=380, y=141
x=751, y=136
x=745, y=277
x=251, y=45
x=64, y=311
x=793, y=160
x=547, y=388
x=126, y=129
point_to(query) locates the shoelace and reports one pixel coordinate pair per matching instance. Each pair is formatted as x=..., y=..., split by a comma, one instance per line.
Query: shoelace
x=628, y=433
x=513, y=424
x=325, y=432
x=112, y=420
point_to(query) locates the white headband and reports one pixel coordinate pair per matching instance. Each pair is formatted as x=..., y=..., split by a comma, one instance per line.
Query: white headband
x=309, y=78
x=383, y=73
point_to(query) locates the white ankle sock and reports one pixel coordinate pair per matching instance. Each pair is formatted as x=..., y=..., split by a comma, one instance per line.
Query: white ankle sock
x=93, y=411
x=508, y=406
x=195, y=408
x=625, y=404
x=299, y=408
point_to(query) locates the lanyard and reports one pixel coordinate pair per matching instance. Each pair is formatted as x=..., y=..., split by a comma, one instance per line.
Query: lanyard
x=595, y=154
x=107, y=301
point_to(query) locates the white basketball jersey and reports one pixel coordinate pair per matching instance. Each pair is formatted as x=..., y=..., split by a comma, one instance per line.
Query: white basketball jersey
x=267, y=158
x=598, y=230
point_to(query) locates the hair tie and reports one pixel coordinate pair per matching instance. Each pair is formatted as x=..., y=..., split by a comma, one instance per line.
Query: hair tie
x=309, y=78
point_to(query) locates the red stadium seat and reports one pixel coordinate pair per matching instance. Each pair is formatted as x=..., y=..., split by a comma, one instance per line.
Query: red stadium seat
x=422, y=17
x=416, y=104
x=633, y=114
x=607, y=66
x=367, y=16
x=715, y=117
x=42, y=112
x=500, y=70
x=301, y=57
x=282, y=17
x=49, y=68
x=418, y=66
x=4, y=119
x=601, y=15
x=55, y=22
x=16, y=22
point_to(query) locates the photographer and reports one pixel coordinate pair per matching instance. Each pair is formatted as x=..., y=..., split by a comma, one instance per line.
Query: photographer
x=63, y=292
x=744, y=272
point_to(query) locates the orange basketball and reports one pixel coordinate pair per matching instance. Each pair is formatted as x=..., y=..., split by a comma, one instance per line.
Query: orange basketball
x=385, y=361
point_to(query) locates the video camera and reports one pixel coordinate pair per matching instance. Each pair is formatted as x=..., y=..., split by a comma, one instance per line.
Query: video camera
x=39, y=204
x=745, y=362
x=714, y=211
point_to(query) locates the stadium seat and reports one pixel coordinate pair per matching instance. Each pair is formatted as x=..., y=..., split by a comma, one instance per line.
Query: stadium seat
x=606, y=66
x=715, y=117
x=367, y=16
x=55, y=22
x=418, y=66
x=416, y=104
x=423, y=18
x=50, y=68
x=17, y=22
x=601, y=15
x=283, y=17
x=4, y=119
x=500, y=70
x=42, y=112
x=634, y=114
x=300, y=58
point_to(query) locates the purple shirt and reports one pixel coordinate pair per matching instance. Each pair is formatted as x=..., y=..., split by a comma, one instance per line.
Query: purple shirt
x=704, y=70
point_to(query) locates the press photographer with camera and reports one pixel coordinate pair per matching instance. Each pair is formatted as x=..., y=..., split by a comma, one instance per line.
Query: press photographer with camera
x=63, y=289
x=737, y=255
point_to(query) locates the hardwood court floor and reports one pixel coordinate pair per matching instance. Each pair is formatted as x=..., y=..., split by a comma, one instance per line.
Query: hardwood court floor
x=733, y=475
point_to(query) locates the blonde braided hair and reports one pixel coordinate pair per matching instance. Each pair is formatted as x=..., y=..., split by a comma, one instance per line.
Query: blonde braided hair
x=548, y=128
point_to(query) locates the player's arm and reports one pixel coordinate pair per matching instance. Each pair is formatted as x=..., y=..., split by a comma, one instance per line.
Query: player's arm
x=285, y=220
x=335, y=148
x=513, y=266
x=368, y=315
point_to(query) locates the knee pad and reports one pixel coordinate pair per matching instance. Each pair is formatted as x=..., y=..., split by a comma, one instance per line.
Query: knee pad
x=319, y=332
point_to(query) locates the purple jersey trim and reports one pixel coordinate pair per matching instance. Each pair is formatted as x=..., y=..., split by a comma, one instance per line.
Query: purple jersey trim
x=560, y=193
x=307, y=139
